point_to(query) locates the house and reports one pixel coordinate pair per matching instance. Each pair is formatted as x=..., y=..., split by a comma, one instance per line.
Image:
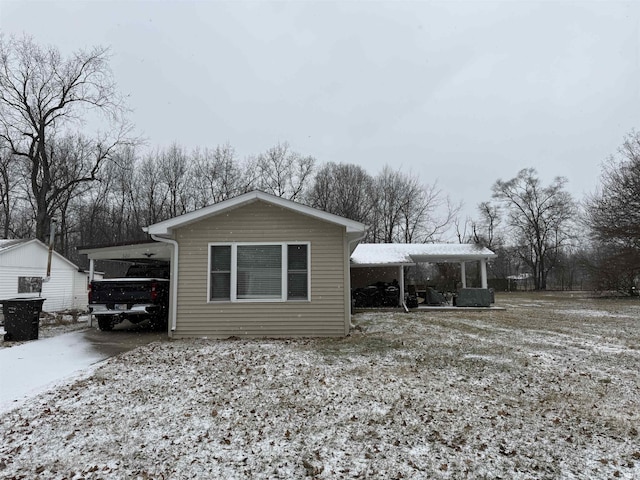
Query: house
x=258, y=265
x=23, y=268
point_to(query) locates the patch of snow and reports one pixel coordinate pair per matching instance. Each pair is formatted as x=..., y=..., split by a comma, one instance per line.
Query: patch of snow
x=405, y=396
x=410, y=253
x=25, y=368
x=596, y=313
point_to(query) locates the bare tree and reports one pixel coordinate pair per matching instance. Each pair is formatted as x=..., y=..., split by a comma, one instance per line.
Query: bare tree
x=283, y=173
x=42, y=94
x=173, y=168
x=151, y=194
x=613, y=215
x=613, y=212
x=484, y=231
x=407, y=211
x=217, y=175
x=427, y=212
x=107, y=212
x=540, y=218
x=71, y=156
x=343, y=189
x=390, y=189
x=8, y=181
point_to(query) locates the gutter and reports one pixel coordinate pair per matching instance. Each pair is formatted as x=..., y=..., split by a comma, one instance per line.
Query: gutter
x=174, y=276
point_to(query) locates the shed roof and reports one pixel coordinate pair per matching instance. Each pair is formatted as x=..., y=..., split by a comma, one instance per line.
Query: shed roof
x=8, y=245
x=4, y=244
x=396, y=254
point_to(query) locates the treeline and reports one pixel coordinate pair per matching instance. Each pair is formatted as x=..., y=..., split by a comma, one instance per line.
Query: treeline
x=131, y=191
x=103, y=188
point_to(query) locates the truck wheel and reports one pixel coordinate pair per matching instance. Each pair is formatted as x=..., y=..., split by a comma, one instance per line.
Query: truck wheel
x=104, y=323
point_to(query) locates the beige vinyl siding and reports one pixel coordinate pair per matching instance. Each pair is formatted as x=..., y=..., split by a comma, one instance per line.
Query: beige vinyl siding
x=326, y=313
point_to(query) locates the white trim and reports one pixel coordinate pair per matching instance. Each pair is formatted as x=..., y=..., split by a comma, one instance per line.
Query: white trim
x=173, y=283
x=165, y=227
x=483, y=272
x=463, y=274
x=284, y=264
x=395, y=254
x=233, y=277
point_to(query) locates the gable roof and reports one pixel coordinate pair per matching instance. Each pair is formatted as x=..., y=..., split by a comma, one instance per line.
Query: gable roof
x=5, y=244
x=165, y=227
x=8, y=245
x=397, y=254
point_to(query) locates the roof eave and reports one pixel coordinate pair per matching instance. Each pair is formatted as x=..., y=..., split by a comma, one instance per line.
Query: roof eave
x=393, y=264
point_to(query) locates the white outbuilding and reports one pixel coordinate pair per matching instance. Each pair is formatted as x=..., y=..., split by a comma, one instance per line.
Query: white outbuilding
x=23, y=271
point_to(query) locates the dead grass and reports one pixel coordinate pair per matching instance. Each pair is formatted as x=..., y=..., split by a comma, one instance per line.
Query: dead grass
x=548, y=388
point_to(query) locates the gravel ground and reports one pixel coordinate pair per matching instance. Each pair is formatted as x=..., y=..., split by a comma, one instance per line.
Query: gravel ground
x=548, y=388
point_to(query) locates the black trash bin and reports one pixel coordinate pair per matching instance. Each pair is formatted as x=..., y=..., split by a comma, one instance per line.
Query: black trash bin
x=22, y=318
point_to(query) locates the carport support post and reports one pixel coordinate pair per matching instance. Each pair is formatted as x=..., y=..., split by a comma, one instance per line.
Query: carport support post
x=463, y=274
x=91, y=274
x=401, y=275
x=483, y=272
x=91, y=270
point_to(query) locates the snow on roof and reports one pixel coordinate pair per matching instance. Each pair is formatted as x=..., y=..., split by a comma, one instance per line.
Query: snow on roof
x=367, y=254
x=9, y=243
x=6, y=245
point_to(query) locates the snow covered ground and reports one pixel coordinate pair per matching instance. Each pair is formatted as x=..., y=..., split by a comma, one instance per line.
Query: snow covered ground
x=51, y=326
x=549, y=388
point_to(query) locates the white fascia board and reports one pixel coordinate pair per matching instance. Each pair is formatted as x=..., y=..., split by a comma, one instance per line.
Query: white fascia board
x=381, y=265
x=450, y=258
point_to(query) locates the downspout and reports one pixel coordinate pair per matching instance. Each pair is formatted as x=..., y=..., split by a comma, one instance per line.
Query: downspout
x=174, y=277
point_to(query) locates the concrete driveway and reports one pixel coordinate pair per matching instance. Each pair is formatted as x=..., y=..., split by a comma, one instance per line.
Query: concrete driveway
x=34, y=367
x=124, y=337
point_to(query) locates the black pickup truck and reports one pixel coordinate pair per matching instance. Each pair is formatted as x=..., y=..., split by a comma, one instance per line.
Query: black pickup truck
x=143, y=294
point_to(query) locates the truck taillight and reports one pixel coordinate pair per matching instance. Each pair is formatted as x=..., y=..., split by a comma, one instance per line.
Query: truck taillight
x=90, y=292
x=154, y=291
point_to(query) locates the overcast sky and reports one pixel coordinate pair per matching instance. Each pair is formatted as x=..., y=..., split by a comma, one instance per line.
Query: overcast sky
x=461, y=92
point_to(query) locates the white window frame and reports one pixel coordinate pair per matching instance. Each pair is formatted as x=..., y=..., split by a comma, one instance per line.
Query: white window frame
x=234, y=273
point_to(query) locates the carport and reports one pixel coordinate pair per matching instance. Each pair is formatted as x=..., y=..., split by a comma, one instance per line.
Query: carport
x=393, y=257
x=130, y=252
x=146, y=251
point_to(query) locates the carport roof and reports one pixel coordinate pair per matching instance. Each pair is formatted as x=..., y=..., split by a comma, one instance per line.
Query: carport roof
x=129, y=252
x=397, y=254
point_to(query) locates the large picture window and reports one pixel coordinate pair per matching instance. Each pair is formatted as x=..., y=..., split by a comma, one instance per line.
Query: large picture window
x=258, y=272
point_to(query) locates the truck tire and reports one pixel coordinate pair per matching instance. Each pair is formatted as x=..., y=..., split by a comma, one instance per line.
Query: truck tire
x=105, y=323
